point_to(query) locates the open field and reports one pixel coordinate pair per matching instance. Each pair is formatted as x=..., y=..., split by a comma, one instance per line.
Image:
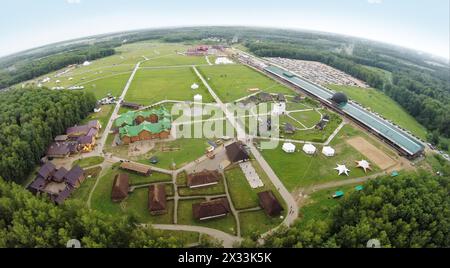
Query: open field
x=242, y=195
x=175, y=59
x=89, y=161
x=180, y=152
x=300, y=170
x=385, y=106
x=82, y=193
x=307, y=118
x=232, y=82
x=257, y=222
x=226, y=224
x=135, y=204
x=102, y=116
x=371, y=152
x=153, y=85
x=313, y=135
x=320, y=204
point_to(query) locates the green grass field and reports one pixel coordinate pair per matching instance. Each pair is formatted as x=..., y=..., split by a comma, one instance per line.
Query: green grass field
x=82, y=193
x=102, y=116
x=210, y=190
x=135, y=204
x=313, y=135
x=180, y=152
x=321, y=204
x=257, y=222
x=154, y=177
x=378, y=102
x=174, y=60
x=301, y=170
x=231, y=82
x=226, y=224
x=242, y=195
x=153, y=85
x=307, y=118
x=89, y=161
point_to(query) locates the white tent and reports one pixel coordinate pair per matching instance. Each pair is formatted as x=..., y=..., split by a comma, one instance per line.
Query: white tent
x=194, y=86
x=342, y=169
x=328, y=151
x=309, y=148
x=288, y=147
x=86, y=63
x=364, y=165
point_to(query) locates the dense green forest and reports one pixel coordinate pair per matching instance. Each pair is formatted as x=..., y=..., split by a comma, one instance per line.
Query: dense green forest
x=32, y=221
x=31, y=68
x=30, y=119
x=411, y=211
x=423, y=92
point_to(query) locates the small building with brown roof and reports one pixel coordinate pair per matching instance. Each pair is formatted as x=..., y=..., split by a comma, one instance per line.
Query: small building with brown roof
x=269, y=203
x=120, y=187
x=131, y=105
x=157, y=203
x=94, y=124
x=61, y=138
x=59, y=150
x=77, y=131
x=236, y=152
x=136, y=167
x=37, y=185
x=211, y=209
x=47, y=170
x=203, y=178
x=75, y=177
x=60, y=174
x=62, y=196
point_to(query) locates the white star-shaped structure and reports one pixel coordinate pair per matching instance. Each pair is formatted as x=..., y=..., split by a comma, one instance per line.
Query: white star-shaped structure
x=364, y=165
x=342, y=169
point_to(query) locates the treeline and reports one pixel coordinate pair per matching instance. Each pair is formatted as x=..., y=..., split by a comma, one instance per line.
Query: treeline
x=29, y=69
x=424, y=93
x=30, y=119
x=412, y=211
x=28, y=221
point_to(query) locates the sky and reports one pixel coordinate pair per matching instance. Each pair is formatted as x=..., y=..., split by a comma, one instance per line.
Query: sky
x=419, y=24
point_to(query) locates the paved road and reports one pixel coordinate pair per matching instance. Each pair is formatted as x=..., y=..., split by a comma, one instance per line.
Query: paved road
x=227, y=239
x=292, y=212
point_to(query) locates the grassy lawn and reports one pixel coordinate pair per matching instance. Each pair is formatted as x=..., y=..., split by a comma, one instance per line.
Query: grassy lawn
x=257, y=222
x=89, y=161
x=82, y=193
x=175, y=59
x=153, y=85
x=321, y=204
x=242, y=195
x=231, y=82
x=226, y=224
x=378, y=102
x=314, y=135
x=103, y=86
x=186, y=237
x=180, y=152
x=300, y=170
x=210, y=190
x=102, y=116
x=135, y=204
x=308, y=118
x=154, y=177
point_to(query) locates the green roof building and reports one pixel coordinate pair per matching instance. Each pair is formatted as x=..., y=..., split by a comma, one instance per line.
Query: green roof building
x=129, y=118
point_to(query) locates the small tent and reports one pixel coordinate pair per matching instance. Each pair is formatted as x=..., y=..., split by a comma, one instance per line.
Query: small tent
x=194, y=86
x=309, y=148
x=328, y=151
x=288, y=147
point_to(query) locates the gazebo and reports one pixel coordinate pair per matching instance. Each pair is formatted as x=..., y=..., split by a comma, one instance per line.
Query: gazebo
x=328, y=151
x=288, y=147
x=309, y=148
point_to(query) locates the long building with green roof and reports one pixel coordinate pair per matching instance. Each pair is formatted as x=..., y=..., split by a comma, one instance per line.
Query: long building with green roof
x=133, y=118
x=144, y=125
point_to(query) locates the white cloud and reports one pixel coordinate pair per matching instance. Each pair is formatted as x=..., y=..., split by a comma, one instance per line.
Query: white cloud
x=375, y=2
x=73, y=1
